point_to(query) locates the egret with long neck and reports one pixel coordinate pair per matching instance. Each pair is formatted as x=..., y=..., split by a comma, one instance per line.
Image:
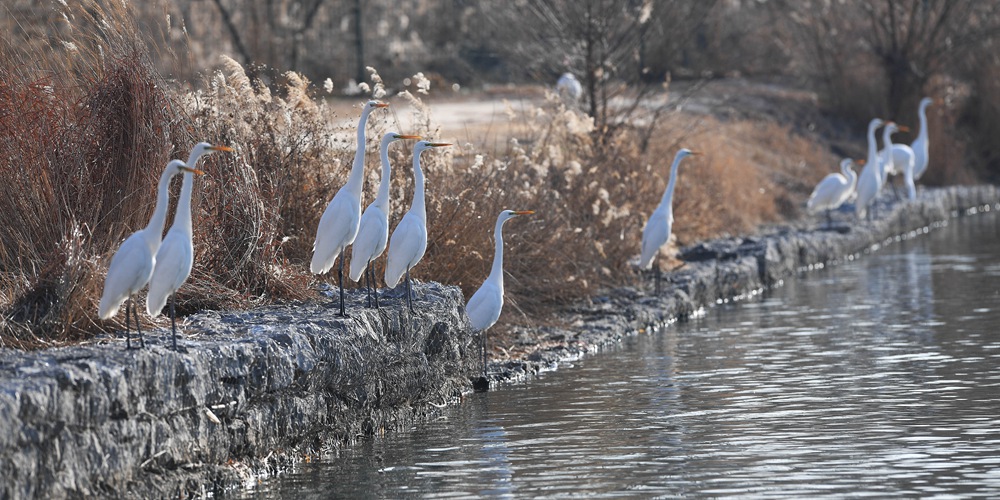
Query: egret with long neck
x=132, y=265
x=656, y=233
x=485, y=305
x=870, y=179
x=373, y=233
x=175, y=257
x=340, y=221
x=409, y=240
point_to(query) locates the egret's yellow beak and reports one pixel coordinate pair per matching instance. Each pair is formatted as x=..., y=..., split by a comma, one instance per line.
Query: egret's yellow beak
x=400, y=136
x=439, y=144
x=381, y=105
x=194, y=171
x=523, y=212
x=221, y=148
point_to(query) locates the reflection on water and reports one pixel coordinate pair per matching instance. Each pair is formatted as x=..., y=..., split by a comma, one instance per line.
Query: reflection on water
x=873, y=378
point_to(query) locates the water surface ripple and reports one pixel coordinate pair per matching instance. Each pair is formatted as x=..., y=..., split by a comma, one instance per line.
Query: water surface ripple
x=873, y=378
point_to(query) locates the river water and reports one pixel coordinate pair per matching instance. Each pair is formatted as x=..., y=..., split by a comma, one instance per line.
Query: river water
x=877, y=377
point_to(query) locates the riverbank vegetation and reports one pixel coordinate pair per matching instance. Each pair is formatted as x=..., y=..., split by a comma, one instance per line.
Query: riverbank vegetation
x=96, y=97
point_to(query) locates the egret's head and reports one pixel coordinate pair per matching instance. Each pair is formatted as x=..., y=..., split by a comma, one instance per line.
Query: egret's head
x=506, y=215
x=890, y=128
x=179, y=167
x=203, y=148
x=685, y=152
x=372, y=105
x=421, y=146
x=874, y=124
x=927, y=101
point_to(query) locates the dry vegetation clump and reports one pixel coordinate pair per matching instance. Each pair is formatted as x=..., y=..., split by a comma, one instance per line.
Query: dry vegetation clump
x=83, y=121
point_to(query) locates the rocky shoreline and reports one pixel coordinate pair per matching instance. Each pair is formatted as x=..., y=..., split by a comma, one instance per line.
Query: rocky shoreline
x=253, y=391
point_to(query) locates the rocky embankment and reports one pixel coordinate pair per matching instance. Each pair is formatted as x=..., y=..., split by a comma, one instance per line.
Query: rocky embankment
x=251, y=391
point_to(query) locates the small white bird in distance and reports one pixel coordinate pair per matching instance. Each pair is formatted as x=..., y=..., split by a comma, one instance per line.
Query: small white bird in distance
x=569, y=87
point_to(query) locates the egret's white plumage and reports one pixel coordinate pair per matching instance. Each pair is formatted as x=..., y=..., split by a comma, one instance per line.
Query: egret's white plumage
x=658, y=227
x=132, y=265
x=919, y=147
x=834, y=189
x=338, y=226
x=886, y=156
x=904, y=158
x=175, y=257
x=485, y=305
x=409, y=239
x=339, y=223
x=870, y=179
x=373, y=232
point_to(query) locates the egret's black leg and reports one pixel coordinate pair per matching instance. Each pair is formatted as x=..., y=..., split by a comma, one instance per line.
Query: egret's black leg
x=829, y=219
x=374, y=282
x=340, y=277
x=138, y=329
x=128, y=319
x=173, y=321
x=409, y=291
x=659, y=274
x=484, y=345
x=368, y=284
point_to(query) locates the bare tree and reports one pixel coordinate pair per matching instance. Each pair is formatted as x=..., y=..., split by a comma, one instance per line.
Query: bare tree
x=909, y=40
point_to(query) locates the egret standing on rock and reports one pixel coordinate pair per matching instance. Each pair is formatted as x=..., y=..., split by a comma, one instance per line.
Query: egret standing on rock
x=132, y=265
x=176, y=255
x=833, y=190
x=658, y=227
x=870, y=179
x=485, y=305
x=340, y=221
x=373, y=232
x=409, y=240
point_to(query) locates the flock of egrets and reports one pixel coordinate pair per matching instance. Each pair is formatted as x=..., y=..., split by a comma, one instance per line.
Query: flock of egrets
x=893, y=159
x=165, y=264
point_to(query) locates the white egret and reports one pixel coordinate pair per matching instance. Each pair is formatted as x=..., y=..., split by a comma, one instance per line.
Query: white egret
x=373, y=232
x=132, y=265
x=484, y=306
x=409, y=240
x=176, y=255
x=887, y=156
x=918, y=147
x=658, y=227
x=340, y=221
x=870, y=179
x=833, y=190
x=904, y=158
x=569, y=86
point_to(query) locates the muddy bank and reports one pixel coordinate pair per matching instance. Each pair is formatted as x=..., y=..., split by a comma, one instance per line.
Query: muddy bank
x=250, y=392
x=253, y=391
x=735, y=268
